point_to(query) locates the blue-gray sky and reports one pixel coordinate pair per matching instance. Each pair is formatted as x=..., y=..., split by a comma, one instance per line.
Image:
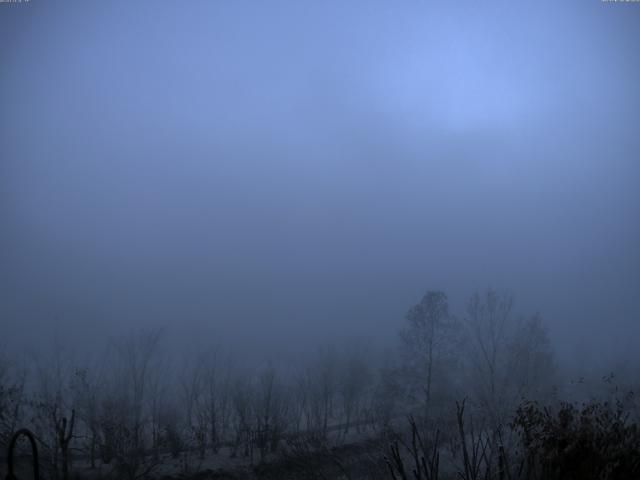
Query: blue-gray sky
x=278, y=173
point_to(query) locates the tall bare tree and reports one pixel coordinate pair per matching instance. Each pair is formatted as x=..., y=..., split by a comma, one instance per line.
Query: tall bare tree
x=428, y=346
x=126, y=415
x=510, y=357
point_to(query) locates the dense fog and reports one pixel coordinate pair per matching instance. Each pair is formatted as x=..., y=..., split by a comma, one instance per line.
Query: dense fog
x=295, y=192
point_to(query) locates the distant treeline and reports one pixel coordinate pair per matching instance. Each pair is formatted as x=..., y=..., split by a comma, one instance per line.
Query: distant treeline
x=473, y=386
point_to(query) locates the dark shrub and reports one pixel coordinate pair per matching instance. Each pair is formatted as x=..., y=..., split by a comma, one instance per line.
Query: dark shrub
x=596, y=441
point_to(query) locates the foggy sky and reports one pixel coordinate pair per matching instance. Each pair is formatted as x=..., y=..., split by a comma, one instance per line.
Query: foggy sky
x=280, y=174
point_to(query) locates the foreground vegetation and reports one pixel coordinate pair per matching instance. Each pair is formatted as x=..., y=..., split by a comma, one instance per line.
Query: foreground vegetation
x=472, y=397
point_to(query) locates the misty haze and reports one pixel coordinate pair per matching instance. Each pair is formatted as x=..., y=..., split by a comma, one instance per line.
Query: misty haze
x=320, y=240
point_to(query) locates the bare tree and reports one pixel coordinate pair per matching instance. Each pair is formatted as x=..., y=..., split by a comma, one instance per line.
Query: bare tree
x=126, y=418
x=54, y=413
x=195, y=403
x=270, y=411
x=321, y=385
x=86, y=392
x=64, y=434
x=385, y=400
x=241, y=401
x=12, y=397
x=217, y=397
x=531, y=361
x=355, y=379
x=157, y=400
x=428, y=345
x=510, y=357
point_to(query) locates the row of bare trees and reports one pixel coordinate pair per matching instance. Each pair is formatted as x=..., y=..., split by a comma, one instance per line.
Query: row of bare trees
x=490, y=355
x=130, y=409
x=135, y=406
